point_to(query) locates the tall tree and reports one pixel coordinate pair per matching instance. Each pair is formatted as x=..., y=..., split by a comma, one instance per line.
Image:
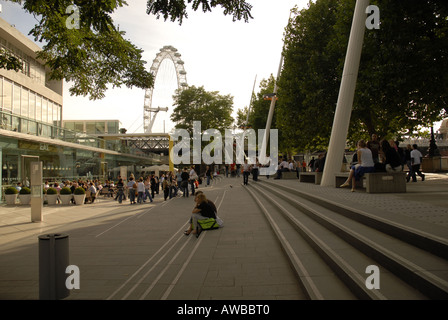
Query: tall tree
x=310, y=77
x=213, y=110
x=402, y=78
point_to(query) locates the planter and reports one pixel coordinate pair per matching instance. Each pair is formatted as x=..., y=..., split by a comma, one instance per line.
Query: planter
x=11, y=198
x=25, y=198
x=66, y=198
x=51, y=199
x=79, y=199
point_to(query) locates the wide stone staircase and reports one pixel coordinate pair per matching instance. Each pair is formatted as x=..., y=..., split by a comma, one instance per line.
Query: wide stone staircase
x=345, y=252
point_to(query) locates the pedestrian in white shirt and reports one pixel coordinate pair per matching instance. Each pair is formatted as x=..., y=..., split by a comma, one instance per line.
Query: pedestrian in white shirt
x=416, y=160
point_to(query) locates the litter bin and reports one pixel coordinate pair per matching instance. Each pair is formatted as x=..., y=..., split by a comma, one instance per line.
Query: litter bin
x=53, y=261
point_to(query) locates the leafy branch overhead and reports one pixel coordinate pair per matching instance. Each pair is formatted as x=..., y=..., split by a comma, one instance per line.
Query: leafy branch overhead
x=177, y=9
x=95, y=54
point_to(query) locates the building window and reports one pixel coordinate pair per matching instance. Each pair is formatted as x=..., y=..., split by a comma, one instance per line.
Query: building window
x=69, y=125
x=16, y=100
x=100, y=127
x=90, y=127
x=56, y=119
x=44, y=110
x=50, y=112
x=38, y=108
x=7, y=95
x=112, y=127
x=32, y=108
x=24, y=105
x=79, y=126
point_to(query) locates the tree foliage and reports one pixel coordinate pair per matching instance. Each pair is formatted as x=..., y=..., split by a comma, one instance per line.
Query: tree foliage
x=196, y=104
x=96, y=55
x=177, y=9
x=9, y=62
x=402, y=79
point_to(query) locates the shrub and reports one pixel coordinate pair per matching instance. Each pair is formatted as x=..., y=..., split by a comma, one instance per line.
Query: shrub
x=11, y=190
x=52, y=191
x=66, y=190
x=25, y=190
x=80, y=190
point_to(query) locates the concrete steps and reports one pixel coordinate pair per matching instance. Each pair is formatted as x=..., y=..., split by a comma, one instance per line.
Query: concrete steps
x=412, y=263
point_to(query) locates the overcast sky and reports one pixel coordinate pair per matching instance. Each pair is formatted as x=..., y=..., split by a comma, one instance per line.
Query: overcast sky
x=219, y=54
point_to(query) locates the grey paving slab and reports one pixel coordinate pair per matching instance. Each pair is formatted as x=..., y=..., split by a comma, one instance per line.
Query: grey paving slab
x=118, y=246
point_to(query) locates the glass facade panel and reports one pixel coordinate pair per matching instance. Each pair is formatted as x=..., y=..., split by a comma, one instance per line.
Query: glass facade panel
x=15, y=123
x=32, y=107
x=79, y=126
x=50, y=112
x=56, y=118
x=16, y=99
x=7, y=95
x=24, y=125
x=44, y=110
x=69, y=126
x=38, y=107
x=6, y=121
x=100, y=127
x=90, y=127
x=112, y=127
x=24, y=105
x=32, y=127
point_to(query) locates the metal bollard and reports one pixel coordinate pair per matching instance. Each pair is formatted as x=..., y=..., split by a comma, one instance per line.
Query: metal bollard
x=53, y=261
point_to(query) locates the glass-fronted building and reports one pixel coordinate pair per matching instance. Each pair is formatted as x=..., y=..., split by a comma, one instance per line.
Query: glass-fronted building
x=32, y=127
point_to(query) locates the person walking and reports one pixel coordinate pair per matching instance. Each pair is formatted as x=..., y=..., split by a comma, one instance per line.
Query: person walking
x=208, y=174
x=140, y=190
x=184, y=184
x=166, y=187
x=255, y=169
x=120, y=190
x=416, y=160
x=193, y=176
x=132, y=186
x=147, y=187
x=246, y=172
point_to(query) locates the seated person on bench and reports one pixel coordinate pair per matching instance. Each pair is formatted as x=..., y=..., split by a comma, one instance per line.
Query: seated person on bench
x=365, y=165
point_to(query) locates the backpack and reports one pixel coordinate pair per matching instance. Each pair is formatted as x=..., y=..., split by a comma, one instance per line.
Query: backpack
x=206, y=224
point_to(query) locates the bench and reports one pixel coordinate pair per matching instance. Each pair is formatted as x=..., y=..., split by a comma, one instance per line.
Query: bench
x=313, y=177
x=289, y=175
x=377, y=182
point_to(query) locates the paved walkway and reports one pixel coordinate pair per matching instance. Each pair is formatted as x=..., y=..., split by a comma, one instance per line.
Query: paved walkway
x=140, y=252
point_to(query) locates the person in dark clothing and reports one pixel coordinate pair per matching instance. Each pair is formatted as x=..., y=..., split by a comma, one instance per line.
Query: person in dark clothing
x=185, y=176
x=120, y=190
x=153, y=185
x=391, y=158
x=203, y=210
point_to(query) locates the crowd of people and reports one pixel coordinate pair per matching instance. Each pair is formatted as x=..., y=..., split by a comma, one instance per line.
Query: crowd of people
x=383, y=156
x=144, y=189
x=139, y=190
x=370, y=156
